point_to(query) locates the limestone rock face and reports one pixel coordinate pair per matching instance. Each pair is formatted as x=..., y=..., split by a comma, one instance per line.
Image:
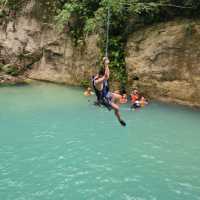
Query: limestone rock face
x=163, y=61
x=19, y=39
x=61, y=62
x=44, y=54
x=6, y=79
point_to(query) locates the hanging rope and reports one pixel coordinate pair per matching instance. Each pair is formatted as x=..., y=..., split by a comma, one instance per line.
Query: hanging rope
x=157, y=4
x=107, y=32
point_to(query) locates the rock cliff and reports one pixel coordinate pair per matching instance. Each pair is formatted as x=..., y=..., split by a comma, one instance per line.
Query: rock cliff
x=163, y=61
x=38, y=50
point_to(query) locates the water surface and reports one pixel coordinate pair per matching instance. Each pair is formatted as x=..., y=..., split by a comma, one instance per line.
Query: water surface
x=56, y=145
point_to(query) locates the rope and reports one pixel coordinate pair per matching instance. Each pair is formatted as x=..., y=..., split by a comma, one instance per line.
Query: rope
x=107, y=32
x=158, y=4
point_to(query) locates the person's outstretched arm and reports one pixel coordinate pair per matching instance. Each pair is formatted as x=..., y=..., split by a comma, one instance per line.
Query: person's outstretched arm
x=107, y=70
x=100, y=80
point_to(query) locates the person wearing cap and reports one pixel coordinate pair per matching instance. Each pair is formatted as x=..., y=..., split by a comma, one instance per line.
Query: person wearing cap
x=88, y=92
x=135, y=99
x=104, y=96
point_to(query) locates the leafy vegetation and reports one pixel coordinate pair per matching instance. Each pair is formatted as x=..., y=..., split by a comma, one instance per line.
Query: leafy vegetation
x=10, y=69
x=83, y=17
x=79, y=18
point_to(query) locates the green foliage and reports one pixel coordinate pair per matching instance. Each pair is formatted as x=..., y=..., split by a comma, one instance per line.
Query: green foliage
x=76, y=18
x=2, y=2
x=189, y=28
x=46, y=10
x=79, y=18
x=85, y=83
x=1, y=66
x=117, y=61
x=13, y=4
x=43, y=10
x=90, y=26
x=83, y=17
x=10, y=69
x=63, y=17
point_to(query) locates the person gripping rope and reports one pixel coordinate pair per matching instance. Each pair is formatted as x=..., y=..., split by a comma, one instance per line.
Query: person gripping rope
x=104, y=96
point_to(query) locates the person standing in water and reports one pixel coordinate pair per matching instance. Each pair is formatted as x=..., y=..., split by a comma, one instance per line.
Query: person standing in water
x=104, y=96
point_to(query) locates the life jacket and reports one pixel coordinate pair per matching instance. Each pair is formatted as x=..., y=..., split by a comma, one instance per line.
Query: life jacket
x=102, y=95
x=134, y=98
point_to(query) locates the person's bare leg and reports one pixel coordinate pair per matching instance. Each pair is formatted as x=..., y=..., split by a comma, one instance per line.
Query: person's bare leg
x=116, y=98
x=116, y=110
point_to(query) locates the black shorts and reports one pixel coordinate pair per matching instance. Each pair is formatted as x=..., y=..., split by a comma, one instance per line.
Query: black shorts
x=107, y=101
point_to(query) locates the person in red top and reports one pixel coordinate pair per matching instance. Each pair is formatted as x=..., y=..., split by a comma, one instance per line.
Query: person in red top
x=134, y=96
x=135, y=99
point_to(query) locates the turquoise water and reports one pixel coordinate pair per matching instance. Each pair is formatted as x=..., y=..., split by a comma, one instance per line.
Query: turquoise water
x=56, y=145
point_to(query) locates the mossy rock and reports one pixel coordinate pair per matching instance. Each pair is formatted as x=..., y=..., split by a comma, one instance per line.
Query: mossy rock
x=85, y=83
x=2, y=14
x=10, y=69
x=1, y=66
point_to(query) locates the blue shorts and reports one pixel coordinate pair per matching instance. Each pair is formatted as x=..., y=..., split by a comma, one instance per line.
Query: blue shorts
x=107, y=101
x=109, y=96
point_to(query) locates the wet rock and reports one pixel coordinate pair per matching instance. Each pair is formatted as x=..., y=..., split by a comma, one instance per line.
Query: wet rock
x=11, y=80
x=45, y=54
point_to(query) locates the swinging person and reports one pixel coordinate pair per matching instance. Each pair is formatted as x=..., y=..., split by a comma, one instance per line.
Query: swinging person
x=104, y=96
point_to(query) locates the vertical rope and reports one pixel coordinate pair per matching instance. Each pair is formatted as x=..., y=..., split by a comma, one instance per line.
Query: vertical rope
x=107, y=32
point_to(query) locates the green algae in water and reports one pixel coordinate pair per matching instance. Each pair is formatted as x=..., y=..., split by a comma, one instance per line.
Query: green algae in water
x=54, y=144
